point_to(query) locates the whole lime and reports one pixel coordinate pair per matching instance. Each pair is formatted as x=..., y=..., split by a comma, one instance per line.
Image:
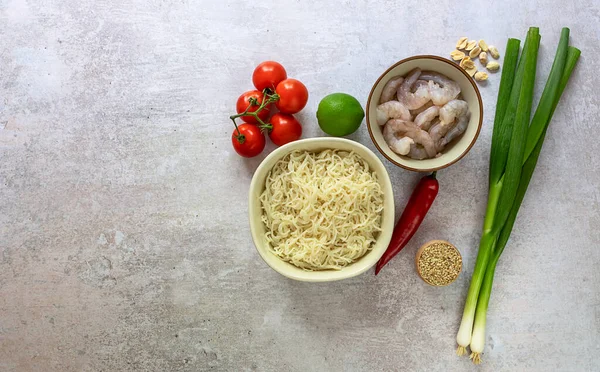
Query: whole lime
x=340, y=114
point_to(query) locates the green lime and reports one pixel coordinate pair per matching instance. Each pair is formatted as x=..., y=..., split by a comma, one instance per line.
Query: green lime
x=340, y=114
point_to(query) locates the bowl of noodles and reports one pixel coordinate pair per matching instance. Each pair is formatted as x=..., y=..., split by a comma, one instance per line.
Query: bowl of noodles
x=321, y=209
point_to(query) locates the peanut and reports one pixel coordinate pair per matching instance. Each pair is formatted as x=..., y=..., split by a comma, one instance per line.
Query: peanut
x=475, y=52
x=467, y=63
x=483, y=45
x=471, y=71
x=494, y=52
x=462, y=42
x=457, y=55
x=471, y=44
x=483, y=58
x=481, y=76
x=493, y=66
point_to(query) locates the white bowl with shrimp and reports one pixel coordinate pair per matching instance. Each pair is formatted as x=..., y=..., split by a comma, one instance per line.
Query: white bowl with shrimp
x=258, y=229
x=456, y=148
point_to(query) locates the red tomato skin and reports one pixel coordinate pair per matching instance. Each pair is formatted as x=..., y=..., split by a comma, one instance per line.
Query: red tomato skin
x=244, y=101
x=286, y=129
x=268, y=74
x=254, y=140
x=293, y=96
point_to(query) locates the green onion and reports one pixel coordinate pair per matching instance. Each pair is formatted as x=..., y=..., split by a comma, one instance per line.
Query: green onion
x=506, y=81
x=477, y=341
x=542, y=115
x=568, y=64
x=514, y=161
x=503, y=125
x=517, y=163
x=504, y=121
x=510, y=179
x=531, y=161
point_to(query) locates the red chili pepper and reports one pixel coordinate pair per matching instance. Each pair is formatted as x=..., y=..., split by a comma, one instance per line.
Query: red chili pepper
x=414, y=213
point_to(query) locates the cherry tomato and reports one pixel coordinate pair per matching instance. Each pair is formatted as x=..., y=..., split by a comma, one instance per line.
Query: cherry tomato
x=249, y=142
x=293, y=96
x=244, y=101
x=285, y=129
x=268, y=74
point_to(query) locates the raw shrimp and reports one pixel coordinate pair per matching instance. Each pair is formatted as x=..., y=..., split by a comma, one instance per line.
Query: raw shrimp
x=424, y=119
x=417, y=152
x=420, y=84
x=399, y=145
x=410, y=100
x=461, y=126
x=452, y=113
x=439, y=130
x=421, y=109
x=452, y=110
x=391, y=110
x=441, y=89
x=389, y=90
x=397, y=127
x=431, y=124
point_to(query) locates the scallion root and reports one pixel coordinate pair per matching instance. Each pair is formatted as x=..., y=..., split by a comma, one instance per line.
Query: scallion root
x=461, y=350
x=475, y=357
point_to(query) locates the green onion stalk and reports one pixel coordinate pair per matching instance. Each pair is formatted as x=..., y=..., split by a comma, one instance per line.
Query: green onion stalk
x=516, y=146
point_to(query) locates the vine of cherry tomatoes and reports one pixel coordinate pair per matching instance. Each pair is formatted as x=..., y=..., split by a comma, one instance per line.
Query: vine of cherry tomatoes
x=254, y=107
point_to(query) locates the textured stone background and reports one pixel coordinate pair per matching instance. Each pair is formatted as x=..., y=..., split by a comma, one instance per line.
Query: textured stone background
x=124, y=241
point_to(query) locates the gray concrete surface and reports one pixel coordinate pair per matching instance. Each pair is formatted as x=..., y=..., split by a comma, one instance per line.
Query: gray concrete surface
x=124, y=240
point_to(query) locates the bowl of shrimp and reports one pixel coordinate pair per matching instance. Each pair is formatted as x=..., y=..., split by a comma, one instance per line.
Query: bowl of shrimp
x=424, y=113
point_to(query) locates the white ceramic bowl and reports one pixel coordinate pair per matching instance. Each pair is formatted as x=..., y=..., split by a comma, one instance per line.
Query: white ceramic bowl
x=257, y=227
x=454, y=151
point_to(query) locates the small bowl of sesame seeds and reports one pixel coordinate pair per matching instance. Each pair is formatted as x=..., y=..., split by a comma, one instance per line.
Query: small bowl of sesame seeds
x=439, y=263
